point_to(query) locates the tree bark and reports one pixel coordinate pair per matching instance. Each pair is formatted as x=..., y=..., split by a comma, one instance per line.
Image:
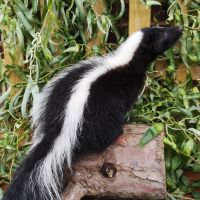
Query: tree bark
x=123, y=171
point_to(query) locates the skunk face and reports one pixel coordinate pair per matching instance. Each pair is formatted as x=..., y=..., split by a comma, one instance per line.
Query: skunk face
x=157, y=40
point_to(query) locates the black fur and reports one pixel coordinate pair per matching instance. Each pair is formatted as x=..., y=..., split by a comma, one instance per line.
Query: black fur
x=111, y=96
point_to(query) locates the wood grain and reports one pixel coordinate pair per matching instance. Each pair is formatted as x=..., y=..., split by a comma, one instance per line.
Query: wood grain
x=122, y=171
x=139, y=16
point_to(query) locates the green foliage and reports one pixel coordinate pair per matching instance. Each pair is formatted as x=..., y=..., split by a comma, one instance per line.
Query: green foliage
x=177, y=106
x=54, y=34
x=187, y=15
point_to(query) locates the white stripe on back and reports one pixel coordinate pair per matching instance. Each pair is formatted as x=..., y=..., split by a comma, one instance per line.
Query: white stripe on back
x=64, y=144
x=39, y=105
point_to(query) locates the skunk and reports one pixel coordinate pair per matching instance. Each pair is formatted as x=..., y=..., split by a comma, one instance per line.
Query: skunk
x=82, y=111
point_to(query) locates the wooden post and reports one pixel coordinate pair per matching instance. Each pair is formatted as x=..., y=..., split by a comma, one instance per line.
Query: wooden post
x=139, y=16
x=181, y=72
x=16, y=60
x=182, y=5
x=42, y=4
x=99, y=8
x=122, y=171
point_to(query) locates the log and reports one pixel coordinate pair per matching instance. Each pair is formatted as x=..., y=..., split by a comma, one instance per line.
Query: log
x=99, y=8
x=123, y=171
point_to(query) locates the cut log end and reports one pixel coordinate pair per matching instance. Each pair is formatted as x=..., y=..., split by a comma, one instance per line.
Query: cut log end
x=122, y=171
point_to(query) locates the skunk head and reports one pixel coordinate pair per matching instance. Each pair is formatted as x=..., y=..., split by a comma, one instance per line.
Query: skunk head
x=157, y=40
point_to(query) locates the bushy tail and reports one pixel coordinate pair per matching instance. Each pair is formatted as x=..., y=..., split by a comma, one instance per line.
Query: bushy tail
x=23, y=186
x=27, y=183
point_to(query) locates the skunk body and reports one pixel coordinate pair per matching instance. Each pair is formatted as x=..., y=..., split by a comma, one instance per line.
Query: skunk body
x=82, y=111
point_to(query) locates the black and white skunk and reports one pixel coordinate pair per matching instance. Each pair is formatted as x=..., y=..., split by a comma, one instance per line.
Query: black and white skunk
x=82, y=111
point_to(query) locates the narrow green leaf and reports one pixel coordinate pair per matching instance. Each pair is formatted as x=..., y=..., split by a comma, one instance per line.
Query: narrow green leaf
x=151, y=133
x=24, y=21
x=5, y=95
x=188, y=147
x=196, y=184
x=100, y=26
x=72, y=49
x=186, y=112
x=81, y=10
x=89, y=23
x=196, y=195
x=122, y=10
x=170, y=143
x=26, y=97
x=150, y=3
x=194, y=130
x=20, y=36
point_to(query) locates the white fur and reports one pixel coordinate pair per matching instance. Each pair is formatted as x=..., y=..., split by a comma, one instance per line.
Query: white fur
x=39, y=105
x=64, y=143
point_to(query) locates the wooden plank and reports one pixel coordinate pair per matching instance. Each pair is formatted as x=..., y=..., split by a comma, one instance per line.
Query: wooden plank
x=99, y=8
x=16, y=60
x=139, y=16
x=184, y=8
x=181, y=73
x=42, y=4
x=195, y=72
